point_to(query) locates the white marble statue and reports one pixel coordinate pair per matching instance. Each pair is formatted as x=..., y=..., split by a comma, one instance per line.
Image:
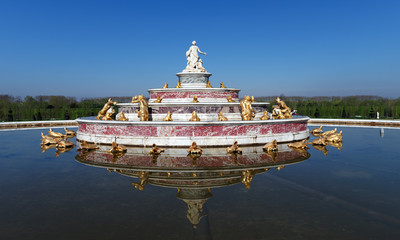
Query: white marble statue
x=194, y=63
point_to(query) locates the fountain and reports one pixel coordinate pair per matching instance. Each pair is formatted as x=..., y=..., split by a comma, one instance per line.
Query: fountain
x=193, y=111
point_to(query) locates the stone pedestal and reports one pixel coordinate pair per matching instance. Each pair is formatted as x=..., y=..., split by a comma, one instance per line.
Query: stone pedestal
x=193, y=79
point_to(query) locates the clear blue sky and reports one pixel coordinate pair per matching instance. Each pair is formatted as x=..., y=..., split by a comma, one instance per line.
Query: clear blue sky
x=122, y=48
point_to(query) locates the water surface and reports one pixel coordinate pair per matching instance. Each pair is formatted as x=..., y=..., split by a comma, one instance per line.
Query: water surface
x=352, y=193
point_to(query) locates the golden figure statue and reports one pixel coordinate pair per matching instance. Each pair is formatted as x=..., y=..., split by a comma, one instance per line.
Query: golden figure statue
x=277, y=113
x=156, y=150
x=265, y=116
x=319, y=141
x=178, y=85
x=158, y=100
x=252, y=99
x=48, y=140
x=69, y=133
x=122, y=117
x=222, y=85
x=165, y=85
x=284, y=110
x=87, y=146
x=334, y=138
x=143, y=176
x=208, y=84
x=65, y=144
x=247, y=110
x=194, y=117
x=168, y=117
x=299, y=145
x=195, y=100
x=143, y=112
x=109, y=115
x=104, y=110
x=230, y=99
x=55, y=134
x=117, y=148
x=329, y=132
x=271, y=147
x=316, y=131
x=195, y=149
x=221, y=117
x=234, y=148
x=247, y=177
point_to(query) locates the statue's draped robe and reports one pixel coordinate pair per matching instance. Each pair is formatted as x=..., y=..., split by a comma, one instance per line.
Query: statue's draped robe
x=192, y=56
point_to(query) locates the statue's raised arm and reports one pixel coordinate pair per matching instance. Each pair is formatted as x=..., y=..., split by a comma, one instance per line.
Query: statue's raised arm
x=194, y=63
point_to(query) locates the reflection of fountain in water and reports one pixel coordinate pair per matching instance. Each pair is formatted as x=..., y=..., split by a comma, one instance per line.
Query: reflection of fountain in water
x=382, y=133
x=192, y=177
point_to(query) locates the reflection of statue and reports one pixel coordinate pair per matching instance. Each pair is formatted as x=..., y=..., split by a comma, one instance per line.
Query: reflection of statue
x=194, y=63
x=247, y=110
x=143, y=112
x=104, y=110
x=247, y=177
x=143, y=176
x=195, y=207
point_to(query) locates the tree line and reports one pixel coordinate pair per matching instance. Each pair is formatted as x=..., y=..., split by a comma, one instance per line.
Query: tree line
x=66, y=108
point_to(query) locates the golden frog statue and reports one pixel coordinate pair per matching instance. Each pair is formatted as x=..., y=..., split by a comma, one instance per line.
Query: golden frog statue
x=229, y=99
x=335, y=138
x=165, y=85
x=158, y=100
x=222, y=85
x=316, y=131
x=271, y=147
x=69, y=133
x=265, y=115
x=195, y=100
x=87, y=146
x=178, y=85
x=299, y=145
x=195, y=149
x=168, y=117
x=234, y=148
x=156, y=150
x=117, y=148
x=194, y=117
x=208, y=84
x=55, y=134
x=122, y=117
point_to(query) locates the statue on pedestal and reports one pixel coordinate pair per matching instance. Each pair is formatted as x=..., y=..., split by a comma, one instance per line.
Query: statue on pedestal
x=194, y=63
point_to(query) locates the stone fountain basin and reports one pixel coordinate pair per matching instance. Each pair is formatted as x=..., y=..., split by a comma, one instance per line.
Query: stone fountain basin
x=183, y=133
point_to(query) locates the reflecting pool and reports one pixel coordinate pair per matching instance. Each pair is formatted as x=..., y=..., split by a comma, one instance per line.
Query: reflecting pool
x=348, y=191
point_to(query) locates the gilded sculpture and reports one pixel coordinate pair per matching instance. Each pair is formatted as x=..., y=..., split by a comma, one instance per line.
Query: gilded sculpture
x=194, y=63
x=109, y=114
x=283, y=112
x=335, y=137
x=222, y=85
x=265, y=115
x=321, y=148
x=195, y=100
x=316, y=131
x=105, y=108
x=69, y=133
x=165, y=85
x=327, y=133
x=49, y=140
x=319, y=141
x=221, y=117
x=234, y=148
x=195, y=149
x=87, y=146
x=299, y=145
x=194, y=117
x=117, y=148
x=168, y=117
x=178, y=85
x=271, y=147
x=229, y=99
x=247, y=110
x=158, y=100
x=156, y=150
x=277, y=113
x=121, y=117
x=55, y=134
x=65, y=144
x=208, y=84
x=143, y=112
